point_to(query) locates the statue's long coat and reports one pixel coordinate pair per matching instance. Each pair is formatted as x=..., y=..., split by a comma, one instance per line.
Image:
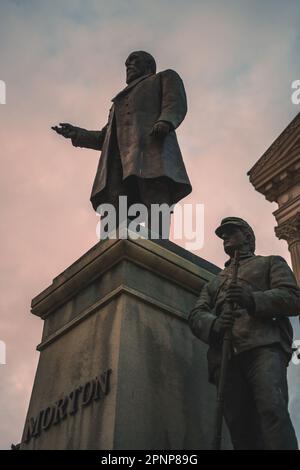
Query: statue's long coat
x=148, y=99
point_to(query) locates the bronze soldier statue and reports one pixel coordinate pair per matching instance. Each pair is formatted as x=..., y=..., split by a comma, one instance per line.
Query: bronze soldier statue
x=140, y=158
x=266, y=294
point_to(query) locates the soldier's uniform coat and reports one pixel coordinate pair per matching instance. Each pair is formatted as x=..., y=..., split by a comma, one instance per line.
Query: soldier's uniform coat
x=276, y=296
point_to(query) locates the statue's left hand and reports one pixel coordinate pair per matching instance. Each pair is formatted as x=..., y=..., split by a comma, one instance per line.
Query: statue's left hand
x=161, y=129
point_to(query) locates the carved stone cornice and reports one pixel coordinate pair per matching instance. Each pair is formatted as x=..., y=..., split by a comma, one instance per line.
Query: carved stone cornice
x=290, y=230
x=281, y=184
x=275, y=147
x=278, y=168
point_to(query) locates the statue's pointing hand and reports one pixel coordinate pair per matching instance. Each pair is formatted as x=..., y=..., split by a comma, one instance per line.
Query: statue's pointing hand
x=66, y=130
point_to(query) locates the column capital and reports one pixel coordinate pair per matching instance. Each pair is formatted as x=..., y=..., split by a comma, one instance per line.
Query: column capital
x=289, y=230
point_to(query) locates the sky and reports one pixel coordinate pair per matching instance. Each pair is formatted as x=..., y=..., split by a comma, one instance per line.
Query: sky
x=63, y=61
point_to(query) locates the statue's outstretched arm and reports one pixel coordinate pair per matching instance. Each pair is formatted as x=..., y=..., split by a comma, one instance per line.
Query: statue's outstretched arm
x=82, y=137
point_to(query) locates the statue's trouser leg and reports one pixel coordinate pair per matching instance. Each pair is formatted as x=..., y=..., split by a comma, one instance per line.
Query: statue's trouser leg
x=146, y=191
x=239, y=410
x=262, y=377
x=265, y=369
x=156, y=191
x=116, y=187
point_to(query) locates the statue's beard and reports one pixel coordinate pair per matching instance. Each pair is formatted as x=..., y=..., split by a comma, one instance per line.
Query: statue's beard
x=133, y=74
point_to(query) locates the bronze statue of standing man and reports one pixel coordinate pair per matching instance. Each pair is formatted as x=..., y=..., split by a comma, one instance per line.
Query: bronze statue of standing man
x=266, y=294
x=140, y=158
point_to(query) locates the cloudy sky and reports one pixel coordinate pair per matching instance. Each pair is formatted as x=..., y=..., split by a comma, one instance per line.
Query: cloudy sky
x=63, y=60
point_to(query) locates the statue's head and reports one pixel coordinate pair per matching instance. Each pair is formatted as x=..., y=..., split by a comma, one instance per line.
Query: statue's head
x=139, y=63
x=236, y=234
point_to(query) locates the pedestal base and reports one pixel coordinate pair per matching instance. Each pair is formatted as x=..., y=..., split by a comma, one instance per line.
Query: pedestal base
x=119, y=367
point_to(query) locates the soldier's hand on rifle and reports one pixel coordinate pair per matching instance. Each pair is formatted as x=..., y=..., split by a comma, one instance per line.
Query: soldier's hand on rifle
x=241, y=295
x=223, y=321
x=161, y=129
x=66, y=130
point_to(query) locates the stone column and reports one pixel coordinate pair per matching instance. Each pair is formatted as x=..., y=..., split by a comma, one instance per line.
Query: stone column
x=290, y=231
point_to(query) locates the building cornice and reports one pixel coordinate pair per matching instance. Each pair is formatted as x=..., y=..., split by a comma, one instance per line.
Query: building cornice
x=278, y=168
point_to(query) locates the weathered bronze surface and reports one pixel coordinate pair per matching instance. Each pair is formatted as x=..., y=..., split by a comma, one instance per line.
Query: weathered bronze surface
x=140, y=156
x=266, y=294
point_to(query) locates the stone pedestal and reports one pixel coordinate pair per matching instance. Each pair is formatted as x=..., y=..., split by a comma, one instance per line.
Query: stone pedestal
x=119, y=368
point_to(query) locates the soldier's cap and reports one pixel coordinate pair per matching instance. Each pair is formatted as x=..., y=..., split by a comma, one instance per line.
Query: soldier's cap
x=229, y=221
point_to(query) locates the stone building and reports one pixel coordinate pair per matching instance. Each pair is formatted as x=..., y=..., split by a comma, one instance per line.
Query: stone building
x=277, y=176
